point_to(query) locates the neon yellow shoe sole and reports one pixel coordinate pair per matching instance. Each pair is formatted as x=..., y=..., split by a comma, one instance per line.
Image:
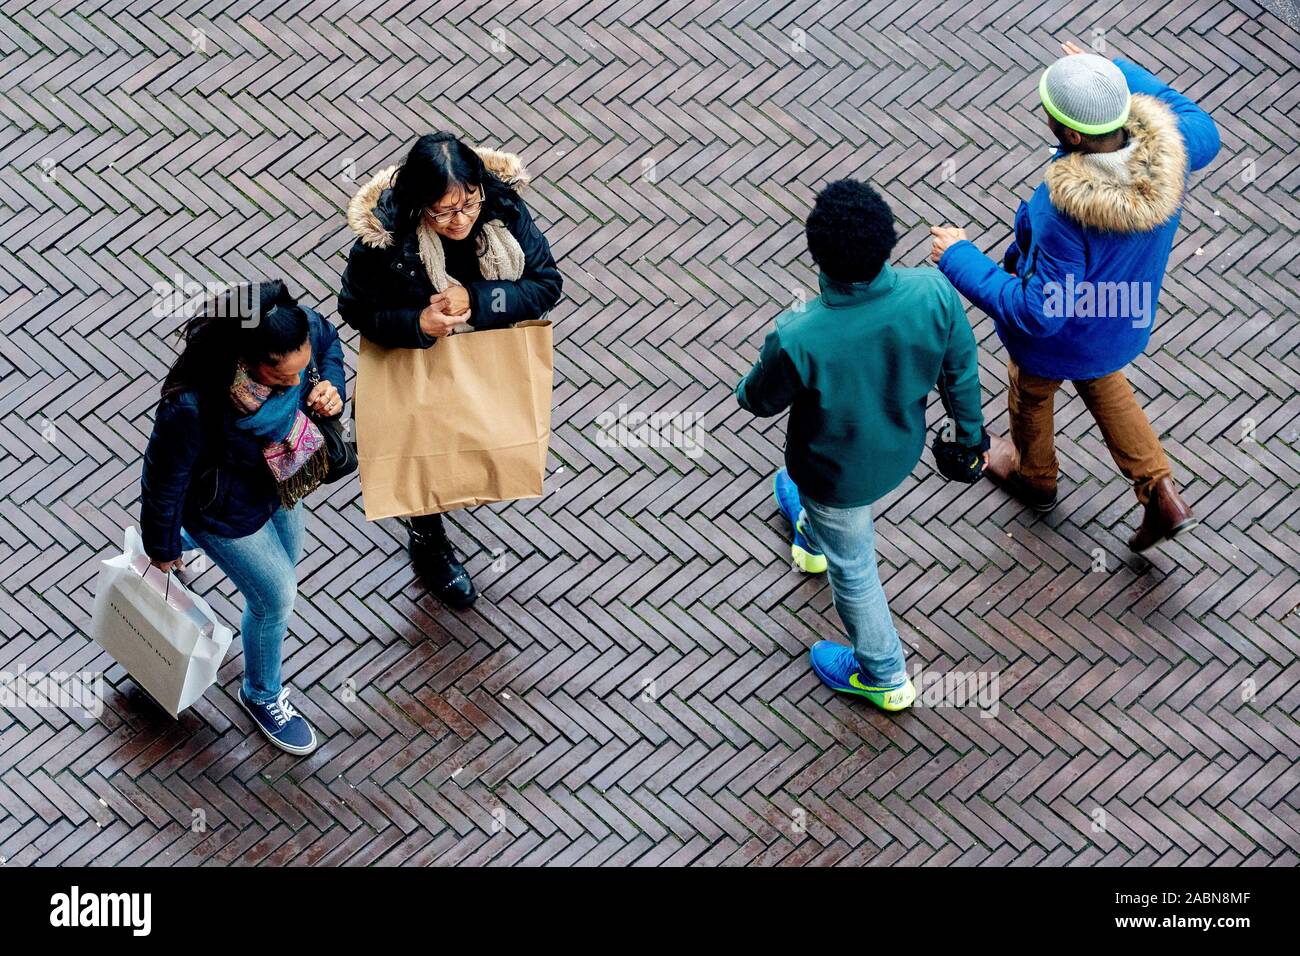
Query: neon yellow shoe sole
x=806, y=561
x=900, y=698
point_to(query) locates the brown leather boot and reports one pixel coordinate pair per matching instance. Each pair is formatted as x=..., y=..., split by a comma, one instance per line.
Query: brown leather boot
x=1002, y=471
x=1167, y=516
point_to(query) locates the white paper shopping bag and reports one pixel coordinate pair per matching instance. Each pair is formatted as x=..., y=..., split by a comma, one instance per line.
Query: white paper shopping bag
x=165, y=635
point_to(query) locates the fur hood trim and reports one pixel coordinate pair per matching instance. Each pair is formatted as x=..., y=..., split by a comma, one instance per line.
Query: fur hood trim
x=365, y=222
x=1133, y=192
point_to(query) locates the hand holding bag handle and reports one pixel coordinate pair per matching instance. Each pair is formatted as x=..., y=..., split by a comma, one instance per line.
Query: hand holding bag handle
x=172, y=646
x=342, y=453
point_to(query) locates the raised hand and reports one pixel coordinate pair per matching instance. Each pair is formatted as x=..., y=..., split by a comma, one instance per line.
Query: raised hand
x=944, y=236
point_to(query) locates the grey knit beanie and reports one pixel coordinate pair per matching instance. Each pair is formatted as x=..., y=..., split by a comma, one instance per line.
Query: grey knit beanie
x=1086, y=92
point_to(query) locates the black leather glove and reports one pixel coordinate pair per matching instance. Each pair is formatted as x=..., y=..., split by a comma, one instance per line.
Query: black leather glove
x=958, y=462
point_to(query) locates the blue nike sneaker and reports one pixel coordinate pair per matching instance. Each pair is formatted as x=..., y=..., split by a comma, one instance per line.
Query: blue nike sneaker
x=838, y=669
x=806, y=555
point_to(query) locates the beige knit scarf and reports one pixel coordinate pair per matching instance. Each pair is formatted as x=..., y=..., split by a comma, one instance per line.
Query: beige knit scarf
x=499, y=254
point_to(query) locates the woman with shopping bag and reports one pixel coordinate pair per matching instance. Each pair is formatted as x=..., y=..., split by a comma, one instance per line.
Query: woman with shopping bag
x=444, y=244
x=238, y=441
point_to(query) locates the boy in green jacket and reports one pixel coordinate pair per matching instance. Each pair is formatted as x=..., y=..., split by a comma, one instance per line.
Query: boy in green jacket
x=855, y=367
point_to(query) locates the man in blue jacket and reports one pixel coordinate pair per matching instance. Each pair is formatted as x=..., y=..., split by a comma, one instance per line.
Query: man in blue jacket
x=1075, y=296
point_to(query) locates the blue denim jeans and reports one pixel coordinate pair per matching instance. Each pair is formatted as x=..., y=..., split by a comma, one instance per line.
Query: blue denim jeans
x=263, y=565
x=848, y=538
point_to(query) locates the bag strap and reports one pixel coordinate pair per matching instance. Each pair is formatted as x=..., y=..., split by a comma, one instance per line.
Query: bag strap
x=167, y=590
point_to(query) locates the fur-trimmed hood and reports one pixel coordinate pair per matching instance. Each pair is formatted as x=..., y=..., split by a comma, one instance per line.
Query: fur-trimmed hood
x=1133, y=190
x=370, y=212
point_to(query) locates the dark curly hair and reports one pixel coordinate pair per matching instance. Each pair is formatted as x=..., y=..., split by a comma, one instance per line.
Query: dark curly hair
x=850, y=231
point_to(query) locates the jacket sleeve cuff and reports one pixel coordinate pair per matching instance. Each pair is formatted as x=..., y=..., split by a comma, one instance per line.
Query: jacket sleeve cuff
x=422, y=339
x=481, y=315
x=156, y=553
x=740, y=394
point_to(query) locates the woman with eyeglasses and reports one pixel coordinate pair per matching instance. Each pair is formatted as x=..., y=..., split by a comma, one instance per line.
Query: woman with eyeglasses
x=235, y=447
x=424, y=266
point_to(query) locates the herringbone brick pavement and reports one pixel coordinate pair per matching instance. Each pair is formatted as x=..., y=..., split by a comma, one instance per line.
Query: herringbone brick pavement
x=632, y=688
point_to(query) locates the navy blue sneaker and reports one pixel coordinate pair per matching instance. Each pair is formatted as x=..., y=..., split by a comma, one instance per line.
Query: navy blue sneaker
x=805, y=555
x=281, y=724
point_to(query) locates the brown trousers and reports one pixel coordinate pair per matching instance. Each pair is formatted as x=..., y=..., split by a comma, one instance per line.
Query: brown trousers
x=1124, y=427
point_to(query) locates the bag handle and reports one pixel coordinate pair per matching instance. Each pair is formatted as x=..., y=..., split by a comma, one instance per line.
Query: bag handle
x=313, y=379
x=167, y=589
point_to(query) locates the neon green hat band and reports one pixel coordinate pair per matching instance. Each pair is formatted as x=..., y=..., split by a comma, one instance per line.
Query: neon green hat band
x=1091, y=130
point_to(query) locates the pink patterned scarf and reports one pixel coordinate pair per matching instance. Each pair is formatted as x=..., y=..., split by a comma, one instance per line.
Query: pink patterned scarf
x=292, y=445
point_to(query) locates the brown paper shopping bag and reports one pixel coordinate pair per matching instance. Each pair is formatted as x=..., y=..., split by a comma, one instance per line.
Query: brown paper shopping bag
x=461, y=423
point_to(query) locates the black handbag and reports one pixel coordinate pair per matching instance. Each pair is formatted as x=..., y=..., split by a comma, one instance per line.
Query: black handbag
x=341, y=450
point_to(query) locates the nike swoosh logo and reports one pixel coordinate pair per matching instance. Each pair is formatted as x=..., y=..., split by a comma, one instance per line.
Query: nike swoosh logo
x=854, y=682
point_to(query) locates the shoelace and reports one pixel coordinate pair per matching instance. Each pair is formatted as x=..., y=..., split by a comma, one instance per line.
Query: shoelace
x=281, y=709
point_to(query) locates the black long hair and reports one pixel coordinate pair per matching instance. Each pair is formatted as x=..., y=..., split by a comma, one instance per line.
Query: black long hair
x=253, y=322
x=438, y=162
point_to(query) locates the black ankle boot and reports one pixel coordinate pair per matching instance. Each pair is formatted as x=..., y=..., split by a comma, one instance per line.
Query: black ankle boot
x=435, y=562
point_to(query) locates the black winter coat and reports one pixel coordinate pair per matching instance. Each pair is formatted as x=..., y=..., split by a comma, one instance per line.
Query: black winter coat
x=384, y=289
x=202, y=472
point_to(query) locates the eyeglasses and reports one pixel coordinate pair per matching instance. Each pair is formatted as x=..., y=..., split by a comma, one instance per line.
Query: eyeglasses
x=470, y=210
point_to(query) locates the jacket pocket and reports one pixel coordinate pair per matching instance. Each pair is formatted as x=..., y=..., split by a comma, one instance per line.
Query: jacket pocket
x=208, y=499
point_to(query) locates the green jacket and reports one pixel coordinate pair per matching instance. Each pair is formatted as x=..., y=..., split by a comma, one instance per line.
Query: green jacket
x=855, y=367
